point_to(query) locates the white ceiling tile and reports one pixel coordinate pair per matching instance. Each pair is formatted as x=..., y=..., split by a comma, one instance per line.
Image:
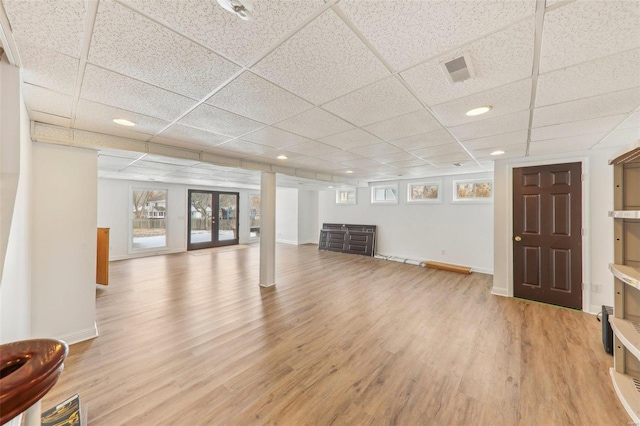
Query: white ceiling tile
x=144, y=170
x=376, y=150
x=408, y=32
x=376, y=102
x=152, y=165
x=274, y=137
x=258, y=99
x=322, y=61
x=351, y=139
x=408, y=163
x=44, y=100
x=97, y=117
x=620, y=137
x=395, y=157
x=212, y=167
x=406, y=125
x=504, y=100
x=363, y=163
x=106, y=87
x=339, y=156
x=555, y=146
x=311, y=148
x=492, y=126
x=632, y=122
x=505, y=139
x=233, y=37
x=131, y=44
x=193, y=135
x=450, y=159
x=510, y=151
x=47, y=68
x=586, y=30
x=439, y=137
x=314, y=124
x=582, y=127
x=56, y=120
x=58, y=25
x=610, y=74
x=435, y=151
x=219, y=121
x=312, y=163
x=112, y=164
x=498, y=59
x=598, y=106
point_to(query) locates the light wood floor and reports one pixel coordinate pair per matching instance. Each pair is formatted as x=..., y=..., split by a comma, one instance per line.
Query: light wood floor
x=189, y=340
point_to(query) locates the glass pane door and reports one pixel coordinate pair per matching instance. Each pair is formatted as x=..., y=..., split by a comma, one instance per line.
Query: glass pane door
x=200, y=217
x=213, y=219
x=227, y=216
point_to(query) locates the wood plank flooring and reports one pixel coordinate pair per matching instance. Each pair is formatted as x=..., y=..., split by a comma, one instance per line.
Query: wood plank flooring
x=341, y=339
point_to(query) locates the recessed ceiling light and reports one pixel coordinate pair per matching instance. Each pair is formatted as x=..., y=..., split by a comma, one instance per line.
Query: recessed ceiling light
x=479, y=110
x=330, y=187
x=349, y=171
x=123, y=122
x=498, y=152
x=282, y=157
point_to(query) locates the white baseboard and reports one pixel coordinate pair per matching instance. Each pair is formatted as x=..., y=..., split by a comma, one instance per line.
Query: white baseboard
x=146, y=254
x=279, y=240
x=500, y=291
x=314, y=241
x=488, y=271
x=81, y=335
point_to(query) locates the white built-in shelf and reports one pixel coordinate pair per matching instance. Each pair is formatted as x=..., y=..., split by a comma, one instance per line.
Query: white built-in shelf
x=627, y=274
x=628, y=390
x=628, y=332
x=625, y=214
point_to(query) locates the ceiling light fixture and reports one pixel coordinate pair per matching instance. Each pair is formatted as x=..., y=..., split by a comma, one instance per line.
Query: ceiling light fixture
x=123, y=122
x=330, y=187
x=349, y=171
x=282, y=157
x=479, y=110
x=242, y=8
x=498, y=152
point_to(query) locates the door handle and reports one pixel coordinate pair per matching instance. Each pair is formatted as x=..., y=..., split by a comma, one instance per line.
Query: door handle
x=518, y=238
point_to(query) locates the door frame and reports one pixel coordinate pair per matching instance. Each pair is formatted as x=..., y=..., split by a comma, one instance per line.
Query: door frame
x=213, y=193
x=586, y=211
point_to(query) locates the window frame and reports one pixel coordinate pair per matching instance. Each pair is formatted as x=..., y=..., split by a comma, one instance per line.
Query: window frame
x=132, y=249
x=347, y=201
x=436, y=200
x=474, y=199
x=254, y=194
x=385, y=186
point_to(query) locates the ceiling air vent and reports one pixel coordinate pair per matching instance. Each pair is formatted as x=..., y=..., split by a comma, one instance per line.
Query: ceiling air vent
x=458, y=69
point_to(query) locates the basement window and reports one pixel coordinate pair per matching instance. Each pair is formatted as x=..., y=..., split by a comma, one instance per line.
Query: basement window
x=148, y=219
x=346, y=196
x=384, y=194
x=474, y=191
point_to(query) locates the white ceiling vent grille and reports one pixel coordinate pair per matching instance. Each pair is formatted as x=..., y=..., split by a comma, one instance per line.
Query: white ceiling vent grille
x=458, y=69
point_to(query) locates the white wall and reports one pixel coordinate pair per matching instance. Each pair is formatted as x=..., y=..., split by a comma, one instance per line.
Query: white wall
x=287, y=215
x=114, y=213
x=15, y=270
x=422, y=231
x=308, y=227
x=598, y=240
x=64, y=189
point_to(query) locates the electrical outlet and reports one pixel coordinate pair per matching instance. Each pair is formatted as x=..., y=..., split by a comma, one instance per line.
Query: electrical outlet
x=596, y=288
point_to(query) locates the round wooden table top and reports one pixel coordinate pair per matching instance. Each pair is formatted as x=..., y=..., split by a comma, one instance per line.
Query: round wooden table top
x=28, y=370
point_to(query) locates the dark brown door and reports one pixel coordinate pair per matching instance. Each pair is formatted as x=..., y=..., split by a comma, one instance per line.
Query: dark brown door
x=547, y=234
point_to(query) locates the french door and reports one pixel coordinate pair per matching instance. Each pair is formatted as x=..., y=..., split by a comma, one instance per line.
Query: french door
x=213, y=219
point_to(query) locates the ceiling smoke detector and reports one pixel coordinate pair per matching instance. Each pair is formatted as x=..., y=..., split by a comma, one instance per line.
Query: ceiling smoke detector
x=458, y=69
x=242, y=8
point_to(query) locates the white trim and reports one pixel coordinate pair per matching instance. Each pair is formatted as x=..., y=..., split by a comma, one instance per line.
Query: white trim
x=308, y=242
x=500, y=292
x=154, y=250
x=488, y=271
x=81, y=335
x=348, y=202
x=147, y=253
x=385, y=186
x=586, y=220
x=292, y=242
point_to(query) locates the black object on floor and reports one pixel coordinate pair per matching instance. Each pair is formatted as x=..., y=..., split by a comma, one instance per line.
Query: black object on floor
x=607, y=332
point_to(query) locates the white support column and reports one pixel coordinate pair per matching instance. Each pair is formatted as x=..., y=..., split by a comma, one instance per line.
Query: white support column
x=267, y=229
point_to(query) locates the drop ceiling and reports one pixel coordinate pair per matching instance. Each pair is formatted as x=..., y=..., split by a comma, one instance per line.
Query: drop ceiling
x=335, y=86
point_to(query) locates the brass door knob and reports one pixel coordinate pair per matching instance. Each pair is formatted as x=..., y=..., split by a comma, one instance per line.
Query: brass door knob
x=518, y=238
